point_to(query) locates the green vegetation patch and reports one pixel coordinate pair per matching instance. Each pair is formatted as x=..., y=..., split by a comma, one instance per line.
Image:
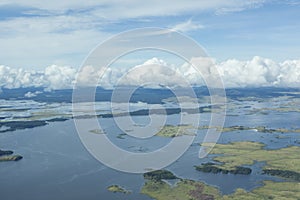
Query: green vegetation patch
x=194, y=190
x=97, y=131
x=118, y=189
x=173, y=131
x=283, y=173
x=261, y=129
x=183, y=190
x=270, y=190
x=246, y=153
x=217, y=168
x=158, y=175
x=10, y=158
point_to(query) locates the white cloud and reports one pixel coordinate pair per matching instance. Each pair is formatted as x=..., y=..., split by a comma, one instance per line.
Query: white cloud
x=187, y=26
x=63, y=32
x=240, y=7
x=15, y=78
x=155, y=72
x=260, y=72
x=114, y=9
x=53, y=39
x=290, y=73
x=59, y=77
x=234, y=73
x=53, y=77
x=32, y=94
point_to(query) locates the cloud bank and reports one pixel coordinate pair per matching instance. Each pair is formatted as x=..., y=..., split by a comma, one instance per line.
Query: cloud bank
x=257, y=72
x=52, y=77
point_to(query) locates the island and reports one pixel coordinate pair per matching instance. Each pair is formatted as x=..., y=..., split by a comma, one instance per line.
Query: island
x=3, y=153
x=118, y=189
x=270, y=190
x=262, y=129
x=97, y=131
x=176, y=130
x=284, y=162
x=186, y=189
x=186, y=129
x=231, y=158
x=26, y=124
x=8, y=156
x=218, y=168
x=159, y=175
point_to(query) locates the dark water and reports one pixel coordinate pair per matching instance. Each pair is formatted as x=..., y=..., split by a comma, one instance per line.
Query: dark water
x=57, y=166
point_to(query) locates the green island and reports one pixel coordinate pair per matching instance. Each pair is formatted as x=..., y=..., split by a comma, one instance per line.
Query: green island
x=217, y=168
x=11, y=158
x=184, y=129
x=121, y=135
x=8, y=126
x=262, y=129
x=284, y=162
x=174, y=131
x=8, y=156
x=270, y=190
x=118, y=189
x=186, y=189
x=159, y=175
x=97, y=131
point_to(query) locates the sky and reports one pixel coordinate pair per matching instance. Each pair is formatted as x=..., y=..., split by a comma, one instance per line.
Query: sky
x=42, y=39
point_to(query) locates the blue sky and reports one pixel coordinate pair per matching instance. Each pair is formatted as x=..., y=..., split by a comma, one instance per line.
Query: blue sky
x=36, y=34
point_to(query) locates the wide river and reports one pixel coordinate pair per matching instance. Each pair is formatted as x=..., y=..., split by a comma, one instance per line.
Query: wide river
x=57, y=166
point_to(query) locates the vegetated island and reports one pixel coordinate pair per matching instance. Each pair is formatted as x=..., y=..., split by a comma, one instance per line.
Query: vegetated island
x=97, y=131
x=8, y=156
x=262, y=129
x=217, y=168
x=284, y=162
x=176, y=130
x=18, y=125
x=159, y=175
x=118, y=189
x=186, y=129
x=167, y=111
x=186, y=189
x=157, y=188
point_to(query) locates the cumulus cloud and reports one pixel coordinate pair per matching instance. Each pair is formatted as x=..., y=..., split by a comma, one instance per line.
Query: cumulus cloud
x=290, y=73
x=260, y=72
x=153, y=73
x=32, y=94
x=53, y=77
x=257, y=72
x=15, y=78
x=59, y=77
